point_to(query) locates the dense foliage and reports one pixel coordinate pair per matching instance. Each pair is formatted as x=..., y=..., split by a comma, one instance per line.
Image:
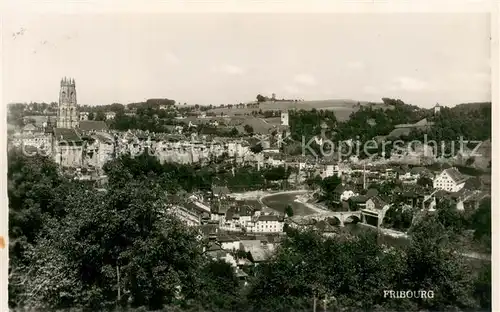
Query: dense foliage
x=469, y=121
x=74, y=246
x=352, y=274
x=368, y=122
x=188, y=178
x=306, y=124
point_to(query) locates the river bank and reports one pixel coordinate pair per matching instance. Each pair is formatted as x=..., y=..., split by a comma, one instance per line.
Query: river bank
x=299, y=200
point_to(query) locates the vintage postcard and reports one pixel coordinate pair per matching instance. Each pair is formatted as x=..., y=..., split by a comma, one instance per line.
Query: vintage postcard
x=248, y=161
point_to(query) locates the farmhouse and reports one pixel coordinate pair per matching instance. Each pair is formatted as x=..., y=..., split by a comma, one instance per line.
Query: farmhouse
x=450, y=180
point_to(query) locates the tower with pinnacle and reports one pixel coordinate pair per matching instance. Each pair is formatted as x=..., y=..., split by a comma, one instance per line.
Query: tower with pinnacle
x=67, y=114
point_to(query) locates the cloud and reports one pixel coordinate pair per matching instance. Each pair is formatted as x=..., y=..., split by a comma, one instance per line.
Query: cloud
x=356, y=65
x=305, y=79
x=408, y=84
x=231, y=70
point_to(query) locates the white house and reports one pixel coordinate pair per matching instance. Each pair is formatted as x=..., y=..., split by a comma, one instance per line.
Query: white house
x=190, y=218
x=229, y=242
x=450, y=180
x=268, y=224
x=343, y=192
x=375, y=203
x=437, y=108
x=84, y=115
x=329, y=171
x=110, y=115
x=32, y=136
x=284, y=119
x=275, y=162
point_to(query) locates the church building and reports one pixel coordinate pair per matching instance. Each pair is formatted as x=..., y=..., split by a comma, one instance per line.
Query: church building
x=67, y=143
x=67, y=114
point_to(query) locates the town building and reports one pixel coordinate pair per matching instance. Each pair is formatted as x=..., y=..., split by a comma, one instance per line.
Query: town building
x=267, y=224
x=67, y=114
x=188, y=217
x=450, y=180
x=342, y=193
x=284, y=118
x=84, y=115
x=110, y=115
x=437, y=108
x=34, y=137
x=67, y=148
x=374, y=211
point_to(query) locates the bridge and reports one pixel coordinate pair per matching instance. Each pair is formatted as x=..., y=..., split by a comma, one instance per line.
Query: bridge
x=341, y=216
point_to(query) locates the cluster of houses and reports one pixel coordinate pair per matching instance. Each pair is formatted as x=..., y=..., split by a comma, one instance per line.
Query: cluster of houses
x=239, y=233
x=449, y=184
x=226, y=213
x=242, y=235
x=92, y=144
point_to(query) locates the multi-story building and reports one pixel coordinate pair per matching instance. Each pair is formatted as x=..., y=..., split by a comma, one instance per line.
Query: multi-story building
x=84, y=115
x=67, y=114
x=67, y=148
x=450, y=180
x=267, y=224
x=110, y=115
x=189, y=217
x=284, y=118
x=34, y=137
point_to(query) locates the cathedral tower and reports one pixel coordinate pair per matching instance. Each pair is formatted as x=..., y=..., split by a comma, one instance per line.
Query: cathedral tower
x=67, y=114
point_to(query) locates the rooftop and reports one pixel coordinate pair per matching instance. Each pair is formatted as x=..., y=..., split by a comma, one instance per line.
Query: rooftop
x=220, y=190
x=68, y=135
x=455, y=175
x=269, y=218
x=92, y=125
x=379, y=203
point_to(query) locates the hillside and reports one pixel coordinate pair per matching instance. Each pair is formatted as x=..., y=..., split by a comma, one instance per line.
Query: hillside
x=468, y=107
x=342, y=108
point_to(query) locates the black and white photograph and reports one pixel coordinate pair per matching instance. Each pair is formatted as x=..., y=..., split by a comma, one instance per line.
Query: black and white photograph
x=248, y=162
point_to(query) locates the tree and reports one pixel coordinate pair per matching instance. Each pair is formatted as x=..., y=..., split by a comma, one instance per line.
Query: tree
x=257, y=148
x=305, y=270
x=481, y=222
x=449, y=216
x=328, y=186
x=289, y=211
x=91, y=116
x=433, y=264
x=72, y=247
x=399, y=217
x=125, y=233
x=482, y=288
x=219, y=287
x=248, y=129
x=425, y=182
x=261, y=98
x=234, y=132
x=314, y=181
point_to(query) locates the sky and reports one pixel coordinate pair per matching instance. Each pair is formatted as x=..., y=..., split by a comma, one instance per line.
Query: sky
x=420, y=58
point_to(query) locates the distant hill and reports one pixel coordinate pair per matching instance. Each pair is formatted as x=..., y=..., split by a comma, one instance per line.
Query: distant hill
x=468, y=107
x=342, y=108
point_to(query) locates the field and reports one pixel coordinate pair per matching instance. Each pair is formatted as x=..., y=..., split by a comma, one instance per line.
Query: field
x=239, y=117
x=342, y=108
x=259, y=125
